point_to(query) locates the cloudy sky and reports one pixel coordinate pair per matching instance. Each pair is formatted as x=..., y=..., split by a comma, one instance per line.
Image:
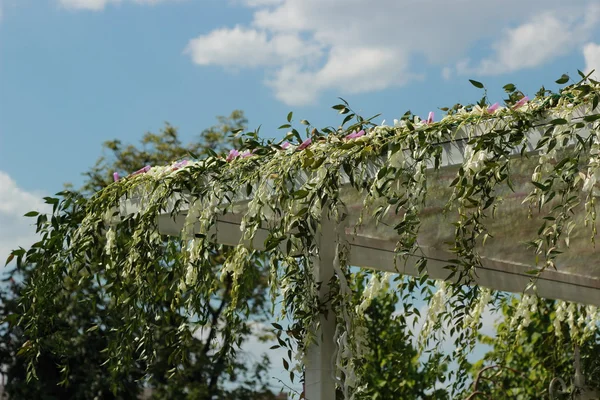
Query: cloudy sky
x=74, y=73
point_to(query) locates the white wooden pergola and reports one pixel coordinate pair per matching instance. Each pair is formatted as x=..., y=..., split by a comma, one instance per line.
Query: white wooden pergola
x=506, y=259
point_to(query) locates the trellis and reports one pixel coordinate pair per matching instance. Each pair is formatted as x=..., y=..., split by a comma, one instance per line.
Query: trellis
x=383, y=198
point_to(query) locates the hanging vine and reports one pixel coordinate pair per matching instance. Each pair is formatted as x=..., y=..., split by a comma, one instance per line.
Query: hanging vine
x=289, y=188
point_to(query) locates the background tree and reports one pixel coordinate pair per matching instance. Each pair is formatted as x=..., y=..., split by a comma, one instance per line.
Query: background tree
x=522, y=367
x=394, y=370
x=82, y=320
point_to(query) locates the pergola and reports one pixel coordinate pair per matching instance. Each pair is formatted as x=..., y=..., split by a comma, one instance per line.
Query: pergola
x=507, y=262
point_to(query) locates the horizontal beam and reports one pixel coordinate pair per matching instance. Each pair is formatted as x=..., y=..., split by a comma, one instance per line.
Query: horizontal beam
x=380, y=255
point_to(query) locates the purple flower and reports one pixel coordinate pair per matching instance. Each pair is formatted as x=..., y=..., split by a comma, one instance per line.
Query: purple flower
x=430, y=117
x=305, y=144
x=355, y=135
x=285, y=145
x=521, y=102
x=142, y=171
x=116, y=176
x=246, y=154
x=233, y=153
x=491, y=109
x=180, y=164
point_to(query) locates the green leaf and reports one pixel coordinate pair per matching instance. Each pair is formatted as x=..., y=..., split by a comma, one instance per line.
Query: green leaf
x=285, y=126
x=9, y=259
x=509, y=88
x=289, y=116
x=32, y=214
x=559, y=121
x=304, y=122
x=277, y=326
x=591, y=118
x=300, y=194
x=478, y=85
x=347, y=118
x=563, y=79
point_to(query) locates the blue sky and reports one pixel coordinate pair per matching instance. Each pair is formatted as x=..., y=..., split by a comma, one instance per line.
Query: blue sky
x=75, y=73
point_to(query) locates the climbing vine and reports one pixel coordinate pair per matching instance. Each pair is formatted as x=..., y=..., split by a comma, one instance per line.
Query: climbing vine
x=288, y=190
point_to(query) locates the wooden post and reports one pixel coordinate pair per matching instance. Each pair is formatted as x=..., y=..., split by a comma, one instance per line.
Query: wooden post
x=319, y=383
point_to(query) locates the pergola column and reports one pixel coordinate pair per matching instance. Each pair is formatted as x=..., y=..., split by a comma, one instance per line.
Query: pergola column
x=319, y=379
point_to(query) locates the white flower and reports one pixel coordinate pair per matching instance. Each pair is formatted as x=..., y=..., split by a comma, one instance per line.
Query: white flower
x=475, y=161
x=111, y=238
x=588, y=184
x=472, y=319
x=437, y=306
x=560, y=314
x=573, y=328
x=396, y=160
x=522, y=315
x=399, y=123
x=191, y=275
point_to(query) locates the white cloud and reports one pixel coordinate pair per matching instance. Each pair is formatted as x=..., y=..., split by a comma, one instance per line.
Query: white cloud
x=261, y=3
x=310, y=46
x=243, y=47
x=591, y=54
x=94, y=5
x=542, y=38
x=16, y=230
x=97, y=5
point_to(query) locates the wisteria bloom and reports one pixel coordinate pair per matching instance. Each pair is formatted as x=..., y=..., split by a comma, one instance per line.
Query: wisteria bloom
x=285, y=145
x=355, y=135
x=116, y=176
x=305, y=144
x=246, y=154
x=233, y=153
x=521, y=102
x=492, y=109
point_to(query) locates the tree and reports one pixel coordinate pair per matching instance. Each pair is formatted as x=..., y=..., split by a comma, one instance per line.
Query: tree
x=522, y=367
x=393, y=370
x=82, y=319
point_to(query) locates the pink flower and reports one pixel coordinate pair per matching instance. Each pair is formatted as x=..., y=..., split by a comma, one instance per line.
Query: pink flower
x=430, y=117
x=142, y=171
x=116, y=176
x=305, y=144
x=233, y=153
x=491, y=109
x=180, y=164
x=355, y=135
x=246, y=154
x=285, y=145
x=521, y=102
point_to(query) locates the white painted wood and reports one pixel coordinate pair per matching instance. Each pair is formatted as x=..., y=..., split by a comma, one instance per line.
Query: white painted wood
x=378, y=254
x=375, y=254
x=319, y=382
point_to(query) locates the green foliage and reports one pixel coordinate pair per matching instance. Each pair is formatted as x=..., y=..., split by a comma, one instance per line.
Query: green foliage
x=522, y=367
x=79, y=334
x=286, y=199
x=392, y=370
